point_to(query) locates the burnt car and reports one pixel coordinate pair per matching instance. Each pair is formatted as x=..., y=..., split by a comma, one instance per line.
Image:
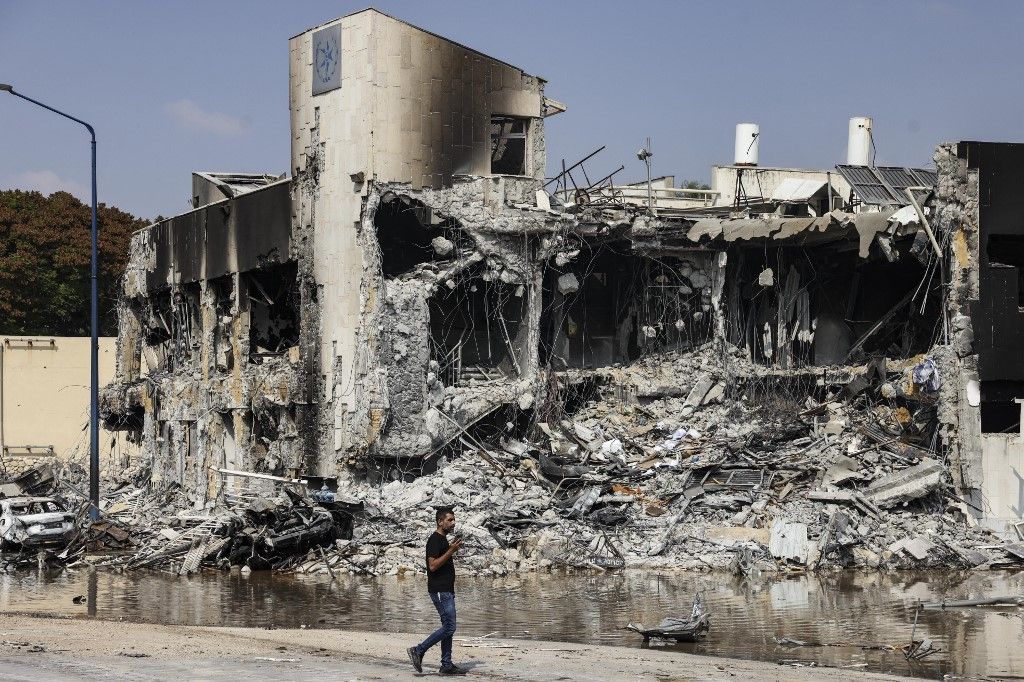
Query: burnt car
x=34, y=522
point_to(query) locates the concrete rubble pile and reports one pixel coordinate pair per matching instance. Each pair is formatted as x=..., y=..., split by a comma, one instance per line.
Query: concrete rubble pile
x=740, y=471
x=695, y=460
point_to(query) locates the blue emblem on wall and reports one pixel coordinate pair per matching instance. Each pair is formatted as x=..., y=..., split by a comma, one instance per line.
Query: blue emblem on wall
x=327, y=59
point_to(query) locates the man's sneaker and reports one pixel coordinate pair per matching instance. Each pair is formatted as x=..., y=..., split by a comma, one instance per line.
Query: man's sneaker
x=452, y=670
x=416, y=657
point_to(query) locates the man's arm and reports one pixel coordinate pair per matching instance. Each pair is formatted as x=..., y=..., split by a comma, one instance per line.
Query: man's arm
x=434, y=563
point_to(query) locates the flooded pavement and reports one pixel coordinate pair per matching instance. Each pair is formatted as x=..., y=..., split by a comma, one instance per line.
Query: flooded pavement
x=847, y=612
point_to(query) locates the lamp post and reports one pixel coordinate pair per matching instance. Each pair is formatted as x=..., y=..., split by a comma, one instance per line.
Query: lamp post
x=94, y=374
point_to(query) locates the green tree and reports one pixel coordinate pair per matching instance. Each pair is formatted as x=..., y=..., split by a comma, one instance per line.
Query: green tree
x=44, y=263
x=695, y=184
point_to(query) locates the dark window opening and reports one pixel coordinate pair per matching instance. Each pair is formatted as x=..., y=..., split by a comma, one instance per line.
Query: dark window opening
x=156, y=322
x=407, y=237
x=188, y=322
x=1007, y=250
x=273, y=310
x=1000, y=416
x=132, y=419
x=265, y=452
x=999, y=412
x=172, y=328
x=474, y=330
x=508, y=145
x=157, y=327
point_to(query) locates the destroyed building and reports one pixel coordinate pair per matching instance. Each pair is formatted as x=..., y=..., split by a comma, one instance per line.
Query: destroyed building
x=306, y=324
x=417, y=289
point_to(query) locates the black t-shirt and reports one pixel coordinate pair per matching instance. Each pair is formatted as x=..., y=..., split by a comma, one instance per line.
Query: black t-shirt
x=443, y=579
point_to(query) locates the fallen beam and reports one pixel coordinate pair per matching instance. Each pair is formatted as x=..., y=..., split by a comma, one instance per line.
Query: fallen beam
x=264, y=477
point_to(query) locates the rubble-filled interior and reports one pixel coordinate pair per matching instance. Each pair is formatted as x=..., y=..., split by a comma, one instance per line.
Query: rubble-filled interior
x=827, y=305
x=608, y=305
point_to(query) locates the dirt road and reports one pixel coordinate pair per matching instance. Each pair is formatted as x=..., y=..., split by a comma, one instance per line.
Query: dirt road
x=36, y=649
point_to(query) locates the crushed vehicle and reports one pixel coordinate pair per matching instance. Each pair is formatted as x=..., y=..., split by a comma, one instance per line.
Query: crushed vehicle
x=34, y=522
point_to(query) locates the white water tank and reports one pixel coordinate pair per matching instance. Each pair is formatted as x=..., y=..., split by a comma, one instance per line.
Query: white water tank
x=747, y=137
x=858, y=144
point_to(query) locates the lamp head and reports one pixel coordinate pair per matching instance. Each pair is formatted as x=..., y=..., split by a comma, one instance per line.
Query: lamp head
x=643, y=154
x=7, y=87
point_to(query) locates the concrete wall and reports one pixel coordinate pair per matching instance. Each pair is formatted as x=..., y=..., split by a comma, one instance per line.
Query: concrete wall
x=1002, y=457
x=761, y=181
x=331, y=144
x=44, y=398
x=433, y=101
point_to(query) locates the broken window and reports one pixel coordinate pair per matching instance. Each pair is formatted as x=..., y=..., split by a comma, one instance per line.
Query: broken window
x=474, y=330
x=274, y=310
x=799, y=306
x=265, y=449
x=222, y=291
x=172, y=327
x=409, y=234
x=610, y=306
x=231, y=458
x=508, y=145
x=158, y=327
x=188, y=321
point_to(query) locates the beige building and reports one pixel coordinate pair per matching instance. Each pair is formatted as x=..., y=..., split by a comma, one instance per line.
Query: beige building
x=44, y=401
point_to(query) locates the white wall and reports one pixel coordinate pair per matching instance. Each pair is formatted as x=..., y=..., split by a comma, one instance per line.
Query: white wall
x=1002, y=489
x=761, y=181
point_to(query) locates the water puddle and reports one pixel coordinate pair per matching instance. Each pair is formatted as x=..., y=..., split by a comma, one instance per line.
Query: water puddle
x=846, y=611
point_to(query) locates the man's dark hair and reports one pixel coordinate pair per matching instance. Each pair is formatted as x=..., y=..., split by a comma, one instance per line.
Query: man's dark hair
x=441, y=513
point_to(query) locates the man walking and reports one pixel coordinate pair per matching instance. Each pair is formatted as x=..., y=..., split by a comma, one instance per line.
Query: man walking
x=441, y=588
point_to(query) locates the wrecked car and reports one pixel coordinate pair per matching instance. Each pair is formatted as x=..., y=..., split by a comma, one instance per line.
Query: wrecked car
x=34, y=522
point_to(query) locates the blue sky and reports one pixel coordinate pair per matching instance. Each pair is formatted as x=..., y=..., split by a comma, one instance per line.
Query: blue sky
x=173, y=87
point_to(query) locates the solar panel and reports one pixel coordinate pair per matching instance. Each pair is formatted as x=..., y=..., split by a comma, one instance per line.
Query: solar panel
x=886, y=185
x=926, y=177
x=898, y=179
x=866, y=184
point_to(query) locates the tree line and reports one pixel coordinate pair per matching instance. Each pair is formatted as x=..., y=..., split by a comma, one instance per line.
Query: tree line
x=44, y=263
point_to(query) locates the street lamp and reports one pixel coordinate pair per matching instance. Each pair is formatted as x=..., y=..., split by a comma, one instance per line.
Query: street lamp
x=94, y=373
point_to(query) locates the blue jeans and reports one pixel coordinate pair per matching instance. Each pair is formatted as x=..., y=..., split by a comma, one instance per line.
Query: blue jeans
x=444, y=602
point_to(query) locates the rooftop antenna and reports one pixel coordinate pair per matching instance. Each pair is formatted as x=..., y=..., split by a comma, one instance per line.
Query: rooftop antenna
x=745, y=156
